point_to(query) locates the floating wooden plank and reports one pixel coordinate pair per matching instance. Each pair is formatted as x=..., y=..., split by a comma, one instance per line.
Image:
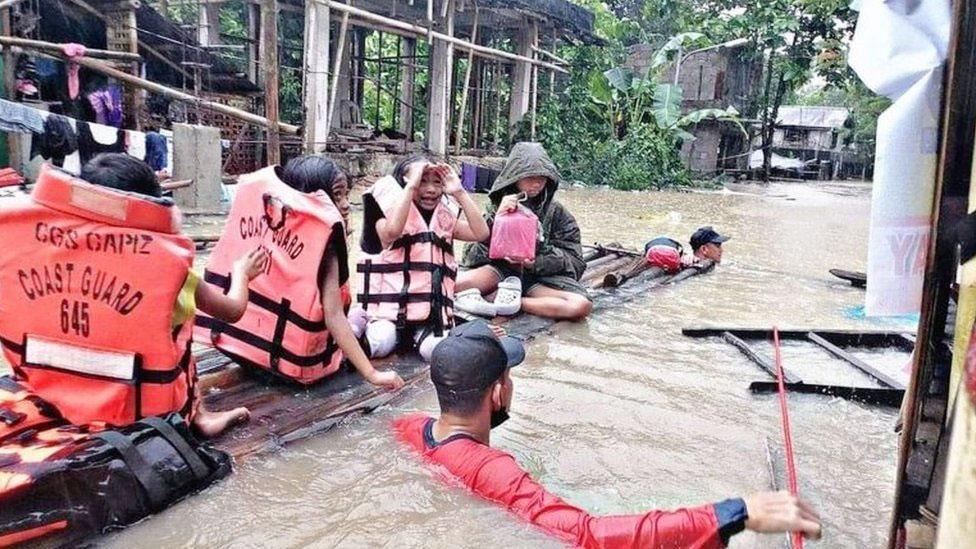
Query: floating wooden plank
x=880, y=376
x=849, y=338
x=867, y=395
x=761, y=361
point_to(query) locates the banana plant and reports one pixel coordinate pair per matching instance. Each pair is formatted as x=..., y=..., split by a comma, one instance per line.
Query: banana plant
x=621, y=90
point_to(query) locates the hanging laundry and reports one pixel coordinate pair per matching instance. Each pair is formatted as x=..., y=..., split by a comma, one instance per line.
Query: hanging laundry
x=95, y=139
x=114, y=116
x=135, y=144
x=57, y=140
x=18, y=118
x=107, y=109
x=72, y=51
x=156, y=151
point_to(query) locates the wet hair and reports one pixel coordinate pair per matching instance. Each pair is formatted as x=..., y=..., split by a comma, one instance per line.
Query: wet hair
x=461, y=403
x=122, y=172
x=312, y=172
x=400, y=170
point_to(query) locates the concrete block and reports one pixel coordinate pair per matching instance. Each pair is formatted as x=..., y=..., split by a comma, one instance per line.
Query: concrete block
x=196, y=156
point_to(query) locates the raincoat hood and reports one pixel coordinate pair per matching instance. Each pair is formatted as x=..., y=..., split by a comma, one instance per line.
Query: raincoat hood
x=525, y=160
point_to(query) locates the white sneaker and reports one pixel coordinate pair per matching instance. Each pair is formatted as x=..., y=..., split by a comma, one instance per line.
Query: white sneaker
x=508, y=298
x=471, y=301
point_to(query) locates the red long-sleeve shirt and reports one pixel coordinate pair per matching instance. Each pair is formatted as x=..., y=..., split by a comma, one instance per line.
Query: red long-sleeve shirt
x=496, y=476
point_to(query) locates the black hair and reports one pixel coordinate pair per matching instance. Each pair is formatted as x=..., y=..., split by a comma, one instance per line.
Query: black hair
x=400, y=170
x=312, y=172
x=122, y=172
x=461, y=403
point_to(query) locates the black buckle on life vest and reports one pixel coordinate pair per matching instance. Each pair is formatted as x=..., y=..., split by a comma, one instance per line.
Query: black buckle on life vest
x=9, y=458
x=274, y=208
x=10, y=417
x=24, y=437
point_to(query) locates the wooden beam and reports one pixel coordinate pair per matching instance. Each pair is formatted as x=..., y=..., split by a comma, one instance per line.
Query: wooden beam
x=878, y=375
x=550, y=55
x=253, y=39
x=858, y=338
x=269, y=67
x=337, y=66
x=467, y=83
x=417, y=30
x=208, y=24
x=316, y=86
x=56, y=48
x=868, y=395
x=759, y=360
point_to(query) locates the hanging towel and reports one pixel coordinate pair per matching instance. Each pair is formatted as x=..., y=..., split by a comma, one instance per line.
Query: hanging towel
x=57, y=141
x=18, y=118
x=135, y=144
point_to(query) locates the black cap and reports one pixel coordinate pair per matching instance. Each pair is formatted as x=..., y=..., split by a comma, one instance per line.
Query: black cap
x=472, y=358
x=704, y=235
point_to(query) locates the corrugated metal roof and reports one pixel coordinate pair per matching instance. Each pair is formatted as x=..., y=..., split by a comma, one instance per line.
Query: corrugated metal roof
x=812, y=116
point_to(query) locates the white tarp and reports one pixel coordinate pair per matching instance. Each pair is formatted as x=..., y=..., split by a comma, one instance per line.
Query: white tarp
x=899, y=50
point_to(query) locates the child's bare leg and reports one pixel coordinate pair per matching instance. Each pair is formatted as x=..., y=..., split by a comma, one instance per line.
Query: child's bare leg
x=485, y=278
x=210, y=424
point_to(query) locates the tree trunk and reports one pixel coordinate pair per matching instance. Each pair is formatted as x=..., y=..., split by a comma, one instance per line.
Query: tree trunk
x=763, y=145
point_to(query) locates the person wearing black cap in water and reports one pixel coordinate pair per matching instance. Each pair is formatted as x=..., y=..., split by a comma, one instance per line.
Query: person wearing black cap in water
x=706, y=243
x=470, y=370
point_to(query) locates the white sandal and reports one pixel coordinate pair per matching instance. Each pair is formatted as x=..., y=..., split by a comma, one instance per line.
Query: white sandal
x=508, y=298
x=471, y=301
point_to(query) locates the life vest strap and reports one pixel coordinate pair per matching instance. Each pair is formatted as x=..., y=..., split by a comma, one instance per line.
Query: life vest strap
x=266, y=303
x=395, y=298
x=178, y=442
x=406, y=241
x=148, y=478
x=368, y=267
x=302, y=361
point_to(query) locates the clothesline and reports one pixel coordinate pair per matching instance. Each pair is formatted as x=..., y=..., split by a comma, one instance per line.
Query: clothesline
x=69, y=143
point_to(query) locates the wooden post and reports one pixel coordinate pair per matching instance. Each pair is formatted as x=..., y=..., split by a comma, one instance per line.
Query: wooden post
x=269, y=67
x=337, y=68
x=9, y=86
x=438, y=110
x=121, y=35
x=316, y=88
x=253, y=36
x=208, y=24
x=341, y=87
x=467, y=83
x=519, y=104
x=535, y=96
x=407, y=77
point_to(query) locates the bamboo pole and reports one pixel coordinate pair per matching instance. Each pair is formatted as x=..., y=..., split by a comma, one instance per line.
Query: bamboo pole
x=337, y=64
x=467, y=83
x=534, y=98
x=550, y=55
x=56, y=48
x=177, y=95
x=425, y=31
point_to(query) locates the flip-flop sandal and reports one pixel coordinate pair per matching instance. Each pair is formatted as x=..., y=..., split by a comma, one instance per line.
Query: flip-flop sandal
x=508, y=298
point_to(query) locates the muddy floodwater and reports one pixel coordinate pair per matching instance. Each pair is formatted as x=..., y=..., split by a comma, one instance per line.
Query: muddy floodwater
x=617, y=414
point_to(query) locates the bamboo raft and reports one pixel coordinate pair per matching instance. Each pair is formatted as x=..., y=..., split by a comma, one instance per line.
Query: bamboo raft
x=282, y=412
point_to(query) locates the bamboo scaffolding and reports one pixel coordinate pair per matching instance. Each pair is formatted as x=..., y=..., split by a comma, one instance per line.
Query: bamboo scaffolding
x=418, y=30
x=467, y=83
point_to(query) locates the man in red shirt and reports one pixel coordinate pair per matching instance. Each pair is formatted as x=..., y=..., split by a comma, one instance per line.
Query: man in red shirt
x=470, y=371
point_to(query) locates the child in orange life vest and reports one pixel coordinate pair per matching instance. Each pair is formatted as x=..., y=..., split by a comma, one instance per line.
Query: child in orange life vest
x=309, y=174
x=411, y=220
x=125, y=173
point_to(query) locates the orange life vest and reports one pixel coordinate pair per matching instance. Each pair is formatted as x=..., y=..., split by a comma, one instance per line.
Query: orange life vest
x=412, y=280
x=89, y=279
x=283, y=329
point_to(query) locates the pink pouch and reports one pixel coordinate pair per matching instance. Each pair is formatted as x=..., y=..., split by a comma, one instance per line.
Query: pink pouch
x=514, y=235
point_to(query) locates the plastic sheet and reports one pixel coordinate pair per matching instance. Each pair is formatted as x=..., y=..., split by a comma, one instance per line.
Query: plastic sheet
x=899, y=51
